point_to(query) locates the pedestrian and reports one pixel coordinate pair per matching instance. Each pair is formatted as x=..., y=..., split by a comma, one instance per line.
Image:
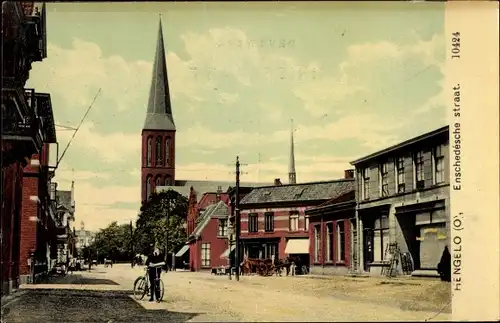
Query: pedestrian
x=154, y=263
x=444, y=265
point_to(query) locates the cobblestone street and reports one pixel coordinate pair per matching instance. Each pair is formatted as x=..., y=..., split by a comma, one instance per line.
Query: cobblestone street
x=105, y=295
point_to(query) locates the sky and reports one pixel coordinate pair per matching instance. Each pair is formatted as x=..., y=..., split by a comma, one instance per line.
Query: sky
x=354, y=77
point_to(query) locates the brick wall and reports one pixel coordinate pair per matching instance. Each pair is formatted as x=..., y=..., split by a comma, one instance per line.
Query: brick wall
x=29, y=215
x=164, y=170
x=217, y=245
x=324, y=243
x=10, y=210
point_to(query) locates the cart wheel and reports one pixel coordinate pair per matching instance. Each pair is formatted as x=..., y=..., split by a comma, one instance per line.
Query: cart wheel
x=263, y=270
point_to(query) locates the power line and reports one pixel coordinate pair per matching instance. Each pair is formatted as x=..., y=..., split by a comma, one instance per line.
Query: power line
x=77, y=128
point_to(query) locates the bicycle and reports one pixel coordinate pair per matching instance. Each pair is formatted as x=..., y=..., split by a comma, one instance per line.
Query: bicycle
x=142, y=288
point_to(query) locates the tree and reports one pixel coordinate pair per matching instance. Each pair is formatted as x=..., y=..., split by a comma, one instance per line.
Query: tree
x=161, y=222
x=113, y=242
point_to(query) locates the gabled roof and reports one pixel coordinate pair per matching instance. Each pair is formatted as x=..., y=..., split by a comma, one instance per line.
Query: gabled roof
x=343, y=201
x=201, y=187
x=211, y=198
x=218, y=210
x=303, y=192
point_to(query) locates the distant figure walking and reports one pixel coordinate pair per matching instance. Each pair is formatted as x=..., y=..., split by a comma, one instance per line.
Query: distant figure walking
x=444, y=265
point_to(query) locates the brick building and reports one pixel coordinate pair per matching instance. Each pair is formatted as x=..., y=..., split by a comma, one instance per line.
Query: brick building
x=332, y=234
x=274, y=220
x=23, y=42
x=209, y=239
x=38, y=215
x=402, y=194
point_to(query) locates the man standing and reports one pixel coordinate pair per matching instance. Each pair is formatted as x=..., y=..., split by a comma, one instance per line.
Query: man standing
x=154, y=263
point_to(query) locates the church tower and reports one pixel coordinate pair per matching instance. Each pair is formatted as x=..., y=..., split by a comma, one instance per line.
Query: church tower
x=158, y=133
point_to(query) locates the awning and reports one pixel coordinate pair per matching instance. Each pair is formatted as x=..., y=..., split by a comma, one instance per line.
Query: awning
x=225, y=254
x=297, y=246
x=183, y=250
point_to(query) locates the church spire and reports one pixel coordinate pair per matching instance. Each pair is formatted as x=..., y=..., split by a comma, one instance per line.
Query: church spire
x=291, y=167
x=159, y=114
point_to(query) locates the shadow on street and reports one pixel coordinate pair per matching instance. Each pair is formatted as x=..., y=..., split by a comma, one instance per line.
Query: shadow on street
x=67, y=305
x=76, y=279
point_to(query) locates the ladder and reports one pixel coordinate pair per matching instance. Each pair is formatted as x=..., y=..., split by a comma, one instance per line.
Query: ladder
x=393, y=251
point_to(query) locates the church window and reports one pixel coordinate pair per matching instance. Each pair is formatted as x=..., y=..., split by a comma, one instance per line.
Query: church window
x=149, y=152
x=167, y=180
x=148, y=187
x=167, y=151
x=158, y=151
x=157, y=182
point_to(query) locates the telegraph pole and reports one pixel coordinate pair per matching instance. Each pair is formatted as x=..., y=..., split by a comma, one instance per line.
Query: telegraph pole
x=237, y=221
x=131, y=245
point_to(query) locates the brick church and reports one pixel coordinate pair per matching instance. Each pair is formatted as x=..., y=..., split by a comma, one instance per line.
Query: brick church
x=159, y=137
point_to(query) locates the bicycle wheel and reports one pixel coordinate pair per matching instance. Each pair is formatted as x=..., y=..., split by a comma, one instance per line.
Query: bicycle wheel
x=140, y=288
x=162, y=289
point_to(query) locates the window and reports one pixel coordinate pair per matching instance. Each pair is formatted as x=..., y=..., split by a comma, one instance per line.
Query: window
x=167, y=180
x=205, y=254
x=157, y=182
x=384, y=180
x=167, y=151
x=269, y=222
x=269, y=250
x=329, y=242
x=380, y=238
x=419, y=170
x=222, y=231
x=439, y=164
x=317, y=240
x=340, y=242
x=400, y=174
x=253, y=224
x=306, y=223
x=148, y=187
x=366, y=183
x=149, y=152
x=294, y=221
x=158, y=151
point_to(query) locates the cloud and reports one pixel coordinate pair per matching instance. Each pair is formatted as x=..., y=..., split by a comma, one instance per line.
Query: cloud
x=75, y=74
x=114, y=147
x=94, y=205
x=65, y=174
x=356, y=77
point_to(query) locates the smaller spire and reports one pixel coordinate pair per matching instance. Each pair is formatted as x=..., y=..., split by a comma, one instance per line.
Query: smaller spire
x=291, y=167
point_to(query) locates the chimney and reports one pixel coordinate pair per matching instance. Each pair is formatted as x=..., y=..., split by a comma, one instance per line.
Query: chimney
x=277, y=182
x=217, y=196
x=349, y=174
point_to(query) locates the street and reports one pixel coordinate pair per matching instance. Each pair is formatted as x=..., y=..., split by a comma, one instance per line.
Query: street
x=105, y=295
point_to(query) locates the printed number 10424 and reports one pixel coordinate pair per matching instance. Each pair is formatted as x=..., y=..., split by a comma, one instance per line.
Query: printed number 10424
x=455, y=45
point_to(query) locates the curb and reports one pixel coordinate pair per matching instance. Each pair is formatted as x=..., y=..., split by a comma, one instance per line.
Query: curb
x=12, y=298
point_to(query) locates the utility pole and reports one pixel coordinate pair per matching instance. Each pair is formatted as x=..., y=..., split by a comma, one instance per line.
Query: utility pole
x=166, y=238
x=131, y=245
x=237, y=221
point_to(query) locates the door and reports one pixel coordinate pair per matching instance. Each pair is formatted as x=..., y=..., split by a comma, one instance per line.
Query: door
x=367, y=247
